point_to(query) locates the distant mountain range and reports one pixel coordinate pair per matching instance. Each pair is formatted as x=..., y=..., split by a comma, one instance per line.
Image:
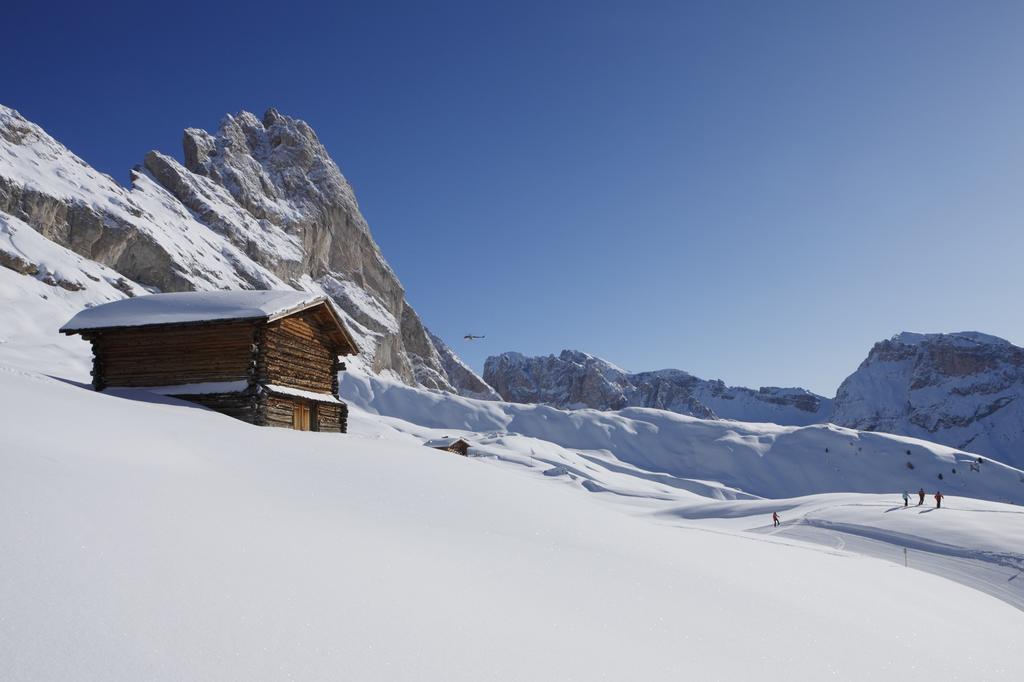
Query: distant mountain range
x=575, y=379
x=964, y=390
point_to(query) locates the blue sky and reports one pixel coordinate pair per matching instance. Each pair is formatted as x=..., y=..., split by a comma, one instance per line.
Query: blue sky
x=755, y=192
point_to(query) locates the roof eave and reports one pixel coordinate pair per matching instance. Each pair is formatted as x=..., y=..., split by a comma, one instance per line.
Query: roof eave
x=71, y=331
x=329, y=305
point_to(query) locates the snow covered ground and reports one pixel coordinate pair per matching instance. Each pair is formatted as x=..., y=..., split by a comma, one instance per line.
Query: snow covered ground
x=147, y=538
x=765, y=460
x=33, y=308
x=976, y=542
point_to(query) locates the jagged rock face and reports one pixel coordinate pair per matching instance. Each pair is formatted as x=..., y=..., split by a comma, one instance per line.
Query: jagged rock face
x=258, y=205
x=143, y=233
x=965, y=390
x=279, y=174
x=574, y=379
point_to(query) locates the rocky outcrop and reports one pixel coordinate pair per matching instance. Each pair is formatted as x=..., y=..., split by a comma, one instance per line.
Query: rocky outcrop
x=574, y=379
x=258, y=205
x=965, y=390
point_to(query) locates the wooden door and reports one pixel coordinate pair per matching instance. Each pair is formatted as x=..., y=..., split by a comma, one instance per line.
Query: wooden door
x=301, y=416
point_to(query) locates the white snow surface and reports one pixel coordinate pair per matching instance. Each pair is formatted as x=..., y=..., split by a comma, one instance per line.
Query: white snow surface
x=301, y=393
x=149, y=538
x=761, y=459
x=143, y=537
x=192, y=306
x=966, y=339
x=34, y=307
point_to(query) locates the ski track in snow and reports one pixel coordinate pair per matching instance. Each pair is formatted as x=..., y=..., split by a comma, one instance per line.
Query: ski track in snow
x=997, y=573
x=998, y=576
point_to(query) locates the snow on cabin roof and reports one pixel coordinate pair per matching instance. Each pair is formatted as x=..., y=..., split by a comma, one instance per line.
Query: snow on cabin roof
x=302, y=393
x=192, y=306
x=445, y=442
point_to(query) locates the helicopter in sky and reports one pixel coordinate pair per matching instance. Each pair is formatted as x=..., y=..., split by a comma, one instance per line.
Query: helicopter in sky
x=472, y=337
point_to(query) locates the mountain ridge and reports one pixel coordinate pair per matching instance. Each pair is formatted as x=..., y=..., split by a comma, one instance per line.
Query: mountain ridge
x=961, y=389
x=258, y=204
x=964, y=390
x=578, y=379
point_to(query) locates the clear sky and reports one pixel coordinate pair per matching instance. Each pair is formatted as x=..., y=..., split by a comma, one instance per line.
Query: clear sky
x=755, y=192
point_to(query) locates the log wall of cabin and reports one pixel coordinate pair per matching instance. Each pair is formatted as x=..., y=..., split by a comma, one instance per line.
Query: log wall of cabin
x=296, y=351
x=331, y=418
x=177, y=355
x=242, y=406
x=276, y=411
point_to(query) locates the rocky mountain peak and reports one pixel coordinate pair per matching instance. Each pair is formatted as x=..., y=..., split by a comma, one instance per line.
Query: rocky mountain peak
x=259, y=204
x=577, y=379
x=964, y=389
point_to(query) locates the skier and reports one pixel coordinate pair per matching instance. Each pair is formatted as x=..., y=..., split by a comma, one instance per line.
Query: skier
x=775, y=518
x=938, y=499
x=920, y=497
x=906, y=498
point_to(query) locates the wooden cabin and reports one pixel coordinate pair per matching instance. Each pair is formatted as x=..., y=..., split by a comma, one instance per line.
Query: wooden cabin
x=459, y=446
x=269, y=358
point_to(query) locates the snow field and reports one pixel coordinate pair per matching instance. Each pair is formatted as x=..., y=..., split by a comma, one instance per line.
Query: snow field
x=147, y=538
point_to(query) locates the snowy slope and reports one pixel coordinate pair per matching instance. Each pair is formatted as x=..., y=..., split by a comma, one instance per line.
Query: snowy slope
x=965, y=390
x=762, y=459
x=574, y=379
x=42, y=287
x=973, y=542
x=160, y=541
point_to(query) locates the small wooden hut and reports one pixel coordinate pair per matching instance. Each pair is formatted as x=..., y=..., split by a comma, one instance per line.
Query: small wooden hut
x=269, y=358
x=459, y=446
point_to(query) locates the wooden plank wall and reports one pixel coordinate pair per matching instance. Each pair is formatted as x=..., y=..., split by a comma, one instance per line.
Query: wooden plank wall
x=295, y=351
x=276, y=411
x=331, y=418
x=169, y=356
x=237, y=405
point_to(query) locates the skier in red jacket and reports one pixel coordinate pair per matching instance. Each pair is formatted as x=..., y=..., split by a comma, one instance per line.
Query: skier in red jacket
x=938, y=499
x=775, y=518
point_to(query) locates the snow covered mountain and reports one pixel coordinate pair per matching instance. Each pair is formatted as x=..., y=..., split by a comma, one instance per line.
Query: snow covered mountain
x=574, y=379
x=965, y=390
x=257, y=205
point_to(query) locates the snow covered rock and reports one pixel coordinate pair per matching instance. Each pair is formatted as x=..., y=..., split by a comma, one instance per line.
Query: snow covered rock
x=258, y=205
x=574, y=379
x=965, y=390
x=42, y=284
